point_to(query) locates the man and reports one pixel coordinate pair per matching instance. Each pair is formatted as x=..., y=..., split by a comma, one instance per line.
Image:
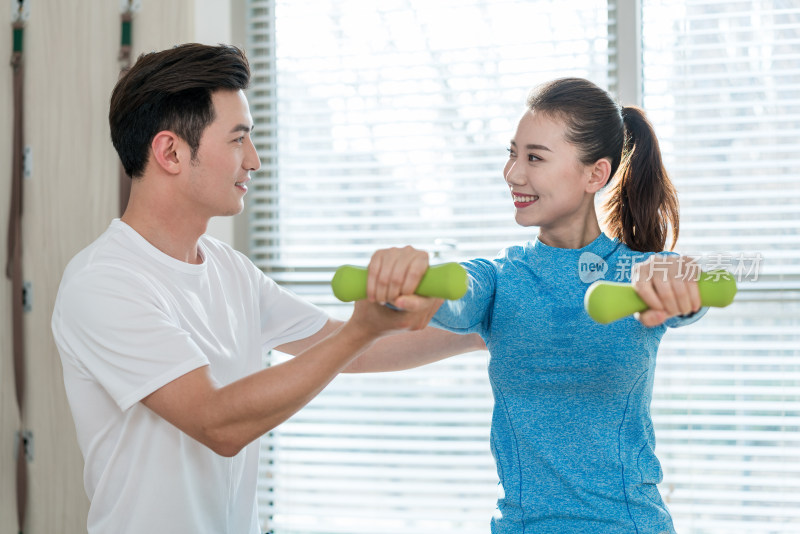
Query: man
x=161, y=329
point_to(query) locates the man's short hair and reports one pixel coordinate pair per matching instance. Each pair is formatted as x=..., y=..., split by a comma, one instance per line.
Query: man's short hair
x=171, y=90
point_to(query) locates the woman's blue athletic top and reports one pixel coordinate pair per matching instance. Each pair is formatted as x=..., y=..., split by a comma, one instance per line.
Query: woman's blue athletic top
x=571, y=430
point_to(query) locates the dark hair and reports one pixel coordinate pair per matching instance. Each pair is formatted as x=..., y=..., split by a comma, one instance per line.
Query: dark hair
x=171, y=90
x=643, y=203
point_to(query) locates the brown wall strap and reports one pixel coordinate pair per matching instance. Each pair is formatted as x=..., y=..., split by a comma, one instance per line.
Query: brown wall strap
x=14, y=266
x=124, y=64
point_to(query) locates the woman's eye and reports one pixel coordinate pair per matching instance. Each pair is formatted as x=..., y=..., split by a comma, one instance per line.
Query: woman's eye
x=511, y=153
x=531, y=157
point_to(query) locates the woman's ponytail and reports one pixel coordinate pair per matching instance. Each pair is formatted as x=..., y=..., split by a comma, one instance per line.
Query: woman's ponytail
x=643, y=205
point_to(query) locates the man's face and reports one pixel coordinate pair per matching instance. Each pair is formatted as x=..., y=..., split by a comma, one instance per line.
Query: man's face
x=221, y=169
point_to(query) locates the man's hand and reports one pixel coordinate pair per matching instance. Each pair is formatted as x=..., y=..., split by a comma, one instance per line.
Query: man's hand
x=668, y=285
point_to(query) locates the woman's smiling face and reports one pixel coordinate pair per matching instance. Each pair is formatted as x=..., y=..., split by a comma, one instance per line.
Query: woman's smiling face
x=545, y=175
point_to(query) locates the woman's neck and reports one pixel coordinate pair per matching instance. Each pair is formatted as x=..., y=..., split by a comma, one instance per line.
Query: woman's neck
x=572, y=236
x=572, y=242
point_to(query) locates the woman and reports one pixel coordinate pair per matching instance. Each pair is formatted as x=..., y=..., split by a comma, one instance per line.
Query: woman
x=571, y=430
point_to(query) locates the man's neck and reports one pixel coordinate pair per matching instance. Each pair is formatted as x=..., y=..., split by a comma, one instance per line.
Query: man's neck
x=171, y=231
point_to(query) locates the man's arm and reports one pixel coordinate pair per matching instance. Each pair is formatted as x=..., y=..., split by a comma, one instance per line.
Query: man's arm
x=400, y=351
x=229, y=417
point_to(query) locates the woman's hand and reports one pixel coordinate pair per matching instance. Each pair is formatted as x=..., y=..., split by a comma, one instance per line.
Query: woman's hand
x=668, y=285
x=395, y=273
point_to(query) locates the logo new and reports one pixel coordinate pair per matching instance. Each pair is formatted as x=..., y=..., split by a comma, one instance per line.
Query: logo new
x=591, y=267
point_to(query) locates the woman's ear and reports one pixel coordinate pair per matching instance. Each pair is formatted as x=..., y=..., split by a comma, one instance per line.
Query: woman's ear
x=600, y=174
x=165, y=147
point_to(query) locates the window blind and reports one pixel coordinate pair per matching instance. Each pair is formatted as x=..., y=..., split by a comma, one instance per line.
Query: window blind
x=722, y=86
x=382, y=124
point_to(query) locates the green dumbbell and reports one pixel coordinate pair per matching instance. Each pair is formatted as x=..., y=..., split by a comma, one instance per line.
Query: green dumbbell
x=606, y=302
x=445, y=281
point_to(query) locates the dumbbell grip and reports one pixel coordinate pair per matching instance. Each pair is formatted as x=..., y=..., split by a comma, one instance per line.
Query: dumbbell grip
x=446, y=281
x=606, y=302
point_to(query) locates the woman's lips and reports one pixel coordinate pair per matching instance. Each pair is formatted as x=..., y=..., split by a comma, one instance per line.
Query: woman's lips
x=523, y=201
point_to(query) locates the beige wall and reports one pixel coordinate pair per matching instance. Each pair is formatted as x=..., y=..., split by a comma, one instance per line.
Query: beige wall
x=71, y=60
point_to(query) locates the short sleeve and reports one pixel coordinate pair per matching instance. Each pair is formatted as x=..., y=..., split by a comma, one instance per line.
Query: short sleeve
x=114, y=326
x=285, y=317
x=472, y=312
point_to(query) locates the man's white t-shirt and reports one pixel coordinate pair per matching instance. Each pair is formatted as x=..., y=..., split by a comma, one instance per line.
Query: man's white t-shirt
x=129, y=319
